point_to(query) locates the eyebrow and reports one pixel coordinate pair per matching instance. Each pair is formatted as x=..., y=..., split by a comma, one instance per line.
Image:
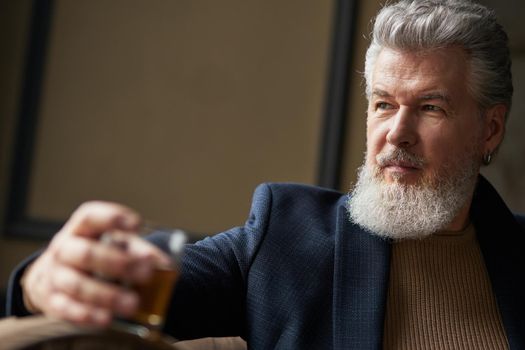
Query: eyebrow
x=426, y=97
x=436, y=96
x=381, y=93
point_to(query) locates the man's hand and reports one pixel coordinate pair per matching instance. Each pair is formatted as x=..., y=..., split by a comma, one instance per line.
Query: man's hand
x=63, y=281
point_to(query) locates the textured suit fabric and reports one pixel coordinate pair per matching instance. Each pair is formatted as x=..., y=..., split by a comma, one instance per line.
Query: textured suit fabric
x=300, y=275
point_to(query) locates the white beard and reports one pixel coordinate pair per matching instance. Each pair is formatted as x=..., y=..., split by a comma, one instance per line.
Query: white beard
x=398, y=210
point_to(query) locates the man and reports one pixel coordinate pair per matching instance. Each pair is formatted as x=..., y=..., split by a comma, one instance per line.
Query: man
x=422, y=254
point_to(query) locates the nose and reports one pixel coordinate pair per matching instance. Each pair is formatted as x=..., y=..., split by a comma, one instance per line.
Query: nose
x=403, y=131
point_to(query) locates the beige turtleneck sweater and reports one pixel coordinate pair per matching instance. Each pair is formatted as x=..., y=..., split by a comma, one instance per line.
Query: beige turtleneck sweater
x=440, y=296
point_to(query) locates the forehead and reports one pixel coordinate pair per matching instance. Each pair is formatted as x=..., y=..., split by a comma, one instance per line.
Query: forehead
x=438, y=70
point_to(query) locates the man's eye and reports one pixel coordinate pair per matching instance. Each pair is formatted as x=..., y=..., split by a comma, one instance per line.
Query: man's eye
x=383, y=105
x=432, y=108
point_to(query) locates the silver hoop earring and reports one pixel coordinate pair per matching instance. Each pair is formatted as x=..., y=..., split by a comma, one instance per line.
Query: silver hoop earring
x=487, y=158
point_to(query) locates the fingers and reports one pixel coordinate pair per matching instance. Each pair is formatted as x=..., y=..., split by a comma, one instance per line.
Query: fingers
x=77, y=244
x=98, y=295
x=65, y=308
x=64, y=281
x=68, y=294
x=101, y=259
x=92, y=219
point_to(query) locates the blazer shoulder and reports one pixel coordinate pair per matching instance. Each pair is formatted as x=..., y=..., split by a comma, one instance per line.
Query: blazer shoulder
x=299, y=192
x=293, y=201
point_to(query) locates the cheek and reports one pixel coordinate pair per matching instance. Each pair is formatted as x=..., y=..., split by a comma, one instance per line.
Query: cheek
x=375, y=142
x=448, y=148
x=374, y=145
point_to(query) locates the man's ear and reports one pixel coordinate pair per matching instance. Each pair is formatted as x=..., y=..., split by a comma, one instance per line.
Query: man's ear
x=494, y=128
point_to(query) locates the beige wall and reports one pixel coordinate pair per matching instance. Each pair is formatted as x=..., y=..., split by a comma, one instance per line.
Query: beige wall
x=177, y=109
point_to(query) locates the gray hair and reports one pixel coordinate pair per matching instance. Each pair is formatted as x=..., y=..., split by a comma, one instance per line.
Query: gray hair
x=432, y=24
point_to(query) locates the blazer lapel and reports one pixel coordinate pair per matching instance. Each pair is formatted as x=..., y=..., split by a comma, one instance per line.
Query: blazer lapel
x=502, y=241
x=362, y=264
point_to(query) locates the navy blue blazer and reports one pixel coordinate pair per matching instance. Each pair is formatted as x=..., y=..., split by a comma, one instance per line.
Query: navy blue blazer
x=300, y=275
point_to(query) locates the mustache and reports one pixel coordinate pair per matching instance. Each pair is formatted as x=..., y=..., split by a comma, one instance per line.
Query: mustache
x=398, y=156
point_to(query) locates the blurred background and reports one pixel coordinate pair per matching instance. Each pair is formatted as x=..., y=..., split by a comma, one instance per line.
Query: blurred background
x=179, y=108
